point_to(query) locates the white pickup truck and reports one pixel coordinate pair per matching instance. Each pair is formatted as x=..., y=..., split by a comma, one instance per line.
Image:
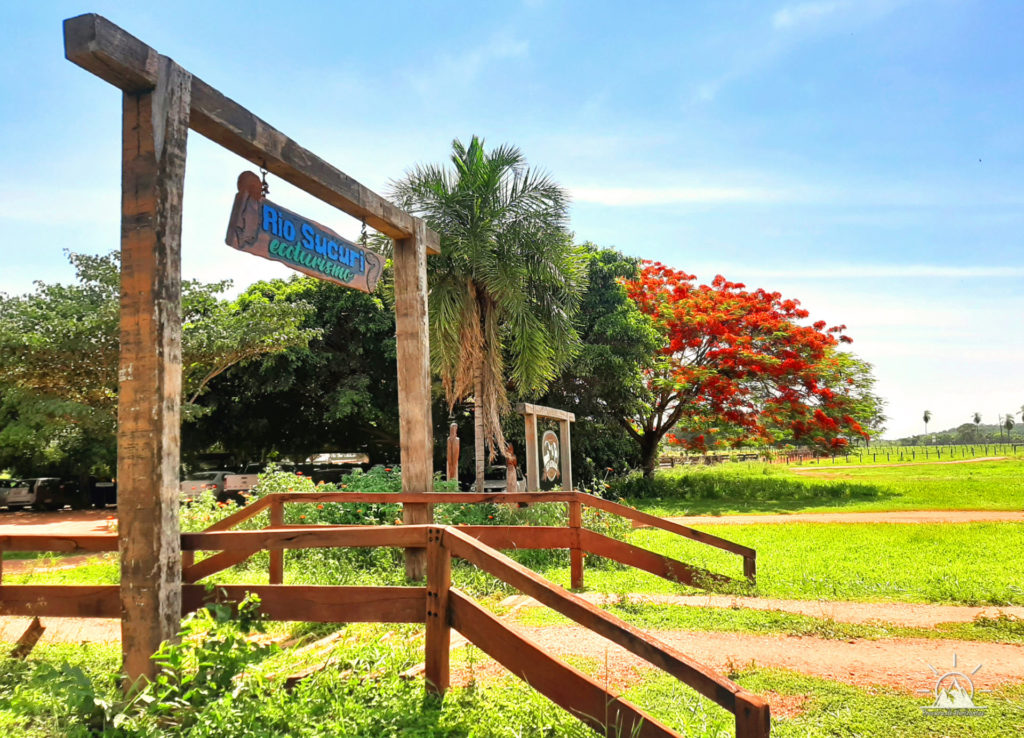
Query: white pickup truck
x=235, y=484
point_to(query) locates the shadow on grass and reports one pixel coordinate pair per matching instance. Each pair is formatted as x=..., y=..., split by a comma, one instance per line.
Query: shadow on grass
x=724, y=490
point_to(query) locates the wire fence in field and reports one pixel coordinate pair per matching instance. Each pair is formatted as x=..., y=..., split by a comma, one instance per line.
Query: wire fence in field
x=875, y=455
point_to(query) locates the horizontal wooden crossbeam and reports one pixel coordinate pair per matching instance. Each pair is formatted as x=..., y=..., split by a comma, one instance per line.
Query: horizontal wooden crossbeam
x=554, y=413
x=316, y=604
x=111, y=53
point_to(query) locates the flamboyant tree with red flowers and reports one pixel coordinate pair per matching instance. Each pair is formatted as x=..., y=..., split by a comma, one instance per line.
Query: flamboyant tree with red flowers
x=737, y=366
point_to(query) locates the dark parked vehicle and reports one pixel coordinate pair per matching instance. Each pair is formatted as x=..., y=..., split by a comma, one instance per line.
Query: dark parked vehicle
x=45, y=493
x=102, y=493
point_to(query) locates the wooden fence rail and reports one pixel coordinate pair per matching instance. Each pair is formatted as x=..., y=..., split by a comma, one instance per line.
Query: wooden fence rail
x=437, y=604
x=573, y=537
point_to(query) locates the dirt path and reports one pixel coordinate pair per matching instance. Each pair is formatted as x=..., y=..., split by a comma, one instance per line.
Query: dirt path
x=63, y=630
x=61, y=523
x=897, y=516
x=897, y=663
x=911, y=614
x=822, y=468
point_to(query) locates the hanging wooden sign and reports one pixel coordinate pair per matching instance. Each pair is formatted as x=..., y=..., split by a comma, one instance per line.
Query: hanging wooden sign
x=260, y=227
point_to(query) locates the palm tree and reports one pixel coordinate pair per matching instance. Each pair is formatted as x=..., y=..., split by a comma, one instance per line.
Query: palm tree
x=977, y=424
x=927, y=417
x=1008, y=424
x=505, y=289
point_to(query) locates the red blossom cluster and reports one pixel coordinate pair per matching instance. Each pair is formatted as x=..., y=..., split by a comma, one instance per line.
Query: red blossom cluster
x=738, y=365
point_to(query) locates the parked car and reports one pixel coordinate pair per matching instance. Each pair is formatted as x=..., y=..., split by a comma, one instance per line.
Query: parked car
x=236, y=484
x=45, y=493
x=198, y=482
x=14, y=488
x=18, y=494
x=103, y=493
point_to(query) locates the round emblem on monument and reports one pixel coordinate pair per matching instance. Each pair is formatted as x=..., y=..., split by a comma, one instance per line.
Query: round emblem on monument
x=549, y=455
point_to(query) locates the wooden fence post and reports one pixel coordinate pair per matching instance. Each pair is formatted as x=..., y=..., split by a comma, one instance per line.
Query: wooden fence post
x=438, y=630
x=276, y=555
x=413, y=346
x=750, y=568
x=155, y=130
x=753, y=717
x=575, y=551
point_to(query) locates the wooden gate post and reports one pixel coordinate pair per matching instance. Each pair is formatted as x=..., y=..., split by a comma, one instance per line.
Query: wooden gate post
x=415, y=426
x=276, y=572
x=438, y=627
x=753, y=717
x=155, y=129
x=575, y=550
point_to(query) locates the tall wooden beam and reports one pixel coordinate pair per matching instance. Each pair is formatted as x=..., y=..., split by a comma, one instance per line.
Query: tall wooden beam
x=155, y=130
x=565, y=452
x=532, y=462
x=415, y=426
x=113, y=54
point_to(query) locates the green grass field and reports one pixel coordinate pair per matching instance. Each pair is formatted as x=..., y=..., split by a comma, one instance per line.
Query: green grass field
x=762, y=488
x=968, y=564
x=964, y=563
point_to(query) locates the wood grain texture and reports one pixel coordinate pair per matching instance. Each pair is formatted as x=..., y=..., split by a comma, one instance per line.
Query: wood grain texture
x=567, y=687
x=753, y=718
x=111, y=53
x=438, y=636
x=61, y=601
x=532, y=462
x=641, y=558
x=565, y=454
x=278, y=602
x=65, y=544
x=554, y=413
x=307, y=536
x=155, y=131
x=414, y=416
x=575, y=548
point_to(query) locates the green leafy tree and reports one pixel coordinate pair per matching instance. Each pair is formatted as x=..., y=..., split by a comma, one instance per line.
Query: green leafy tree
x=338, y=393
x=605, y=380
x=59, y=350
x=505, y=289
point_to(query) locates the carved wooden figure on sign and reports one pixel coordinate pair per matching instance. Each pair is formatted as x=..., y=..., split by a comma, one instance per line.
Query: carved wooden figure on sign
x=454, y=445
x=511, y=465
x=266, y=229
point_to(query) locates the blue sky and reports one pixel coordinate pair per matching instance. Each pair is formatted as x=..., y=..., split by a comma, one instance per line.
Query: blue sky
x=865, y=157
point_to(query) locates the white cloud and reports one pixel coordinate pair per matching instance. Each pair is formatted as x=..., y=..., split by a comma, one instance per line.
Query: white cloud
x=460, y=70
x=790, y=16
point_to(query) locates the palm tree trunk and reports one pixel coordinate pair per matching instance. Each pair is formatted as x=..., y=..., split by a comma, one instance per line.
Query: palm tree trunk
x=478, y=423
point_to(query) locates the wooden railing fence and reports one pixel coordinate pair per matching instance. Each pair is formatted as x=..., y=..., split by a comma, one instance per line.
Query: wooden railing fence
x=574, y=536
x=437, y=604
